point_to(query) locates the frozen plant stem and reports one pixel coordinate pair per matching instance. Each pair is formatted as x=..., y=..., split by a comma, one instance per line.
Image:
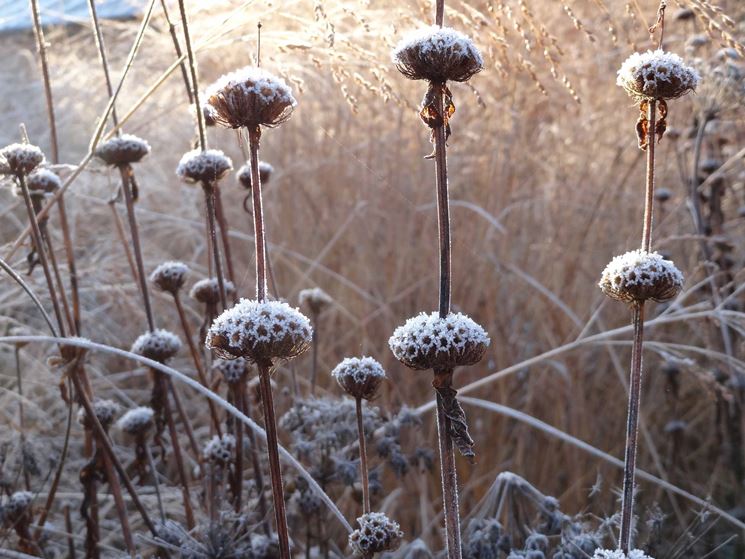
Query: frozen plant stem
x=177, y=48
x=245, y=401
x=258, y=213
x=209, y=197
x=363, y=460
x=649, y=194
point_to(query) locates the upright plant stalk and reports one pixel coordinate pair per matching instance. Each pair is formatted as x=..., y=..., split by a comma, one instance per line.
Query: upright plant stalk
x=177, y=48
x=103, y=58
x=363, y=459
x=258, y=214
x=314, y=349
x=245, y=403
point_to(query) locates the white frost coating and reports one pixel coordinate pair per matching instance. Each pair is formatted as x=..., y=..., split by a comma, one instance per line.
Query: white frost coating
x=123, y=149
x=232, y=370
x=316, y=298
x=360, y=369
x=207, y=290
x=18, y=503
x=219, y=449
x=427, y=332
x=655, y=73
x=435, y=39
x=105, y=410
x=158, y=345
x=244, y=173
x=618, y=554
x=376, y=533
x=20, y=158
x=44, y=180
x=197, y=165
x=639, y=268
x=136, y=420
x=170, y=275
x=253, y=81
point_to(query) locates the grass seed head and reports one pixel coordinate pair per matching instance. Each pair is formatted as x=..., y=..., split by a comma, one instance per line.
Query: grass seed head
x=360, y=377
x=122, y=150
x=20, y=159
x=199, y=166
x=638, y=276
x=170, y=276
x=244, y=174
x=376, y=534
x=233, y=371
x=105, y=410
x=207, y=290
x=655, y=75
x=158, y=345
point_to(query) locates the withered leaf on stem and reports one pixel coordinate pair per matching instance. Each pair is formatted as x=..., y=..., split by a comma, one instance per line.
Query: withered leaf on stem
x=430, y=113
x=642, y=126
x=458, y=426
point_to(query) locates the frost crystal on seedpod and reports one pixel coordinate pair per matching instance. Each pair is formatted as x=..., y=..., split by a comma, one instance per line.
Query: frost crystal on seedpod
x=251, y=97
x=208, y=290
x=20, y=159
x=639, y=275
x=220, y=449
x=232, y=370
x=376, y=534
x=136, y=421
x=244, y=174
x=618, y=554
x=208, y=111
x=158, y=345
x=360, y=377
x=122, y=150
x=437, y=54
x=316, y=299
x=656, y=75
x=105, y=410
x=16, y=506
x=203, y=166
x=43, y=181
x=427, y=341
x=260, y=331
x=170, y=276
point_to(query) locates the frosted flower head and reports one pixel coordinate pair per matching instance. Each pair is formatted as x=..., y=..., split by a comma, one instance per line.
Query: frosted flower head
x=208, y=112
x=360, y=377
x=170, y=276
x=137, y=421
x=427, y=341
x=316, y=299
x=105, y=410
x=122, y=150
x=437, y=54
x=655, y=75
x=251, y=97
x=244, y=174
x=618, y=554
x=638, y=276
x=219, y=450
x=158, y=345
x=16, y=507
x=260, y=331
x=20, y=159
x=207, y=290
x=232, y=370
x=43, y=181
x=203, y=166
x=376, y=534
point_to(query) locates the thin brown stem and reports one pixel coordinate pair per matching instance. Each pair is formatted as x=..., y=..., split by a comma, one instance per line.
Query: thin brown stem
x=443, y=210
x=449, y=482
x=238, y=473
x=103, y=58
x=222, y=222
x=21, y=419
x=209, y=197
x=57, y=277
x=71, y=266
x=256, y=463
x=194, y=79
x=314, y=349
x=68, y=529
x=123, y=240
x=183, y=416
x=177, y=48
x=649, y=195
x=363, y=460
x=156, y=483
x=121, y=508
x=439, y=12
x=254, y=136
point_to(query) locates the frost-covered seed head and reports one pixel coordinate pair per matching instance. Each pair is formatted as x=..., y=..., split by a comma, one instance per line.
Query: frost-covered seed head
x=656, y=75
x=203, y=166
x=43, y=181
x=122, y=150
x=251, y=97
x=20, y=159
x=232, y=370
x=638, y=276
x=662, y=194
x=207, y=291
x=244, y=174
x=437, y=54
x=316, y=299
x=209, y=113
x=618, y=554
x=105, y=410
x=376, y=534
x=158, y=345
x=360, y=377
x=260, y=331
x=136, y=421
x=16, y=507
x=219, y=450
x=427, y=341
x=170, y=276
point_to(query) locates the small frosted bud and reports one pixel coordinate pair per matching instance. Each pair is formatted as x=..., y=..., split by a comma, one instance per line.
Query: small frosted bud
x=360, y=377
x=316, y=299
x=656, y=75
x=170, y=276
x=244, y=174
x=638, y=276
x=105, y=410
x=158, y=345
x=20, y=159
x=376, y=534
x=207, y=291
x=122, y=150
x=203, y=166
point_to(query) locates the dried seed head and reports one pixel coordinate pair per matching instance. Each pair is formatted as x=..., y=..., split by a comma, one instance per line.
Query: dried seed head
x=656, y=75
x=232, y=370
x=360, y=377
x=219, y=450
x=16, y=507
x=43, y=181
x=618, y=554
x=170, y=276
x=437, y=54
x=203, y=166
x=136, y=421
x=123, y=149
x=260, y=331
x=638, y=276
x=376, y=534
x=251, y=97
x=158, y=345
x=208, y=290
x=427, y=341
x=208, y=111
x=105, y=410
x=662, y=194
x=684, y=14
x=20, y=159
x=316, y=299
x=244, y=174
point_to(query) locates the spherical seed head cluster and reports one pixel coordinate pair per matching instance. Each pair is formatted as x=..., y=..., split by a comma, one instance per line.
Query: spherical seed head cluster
x=170, y=276
x=203, y=166
x=656, y=75
x=123, y=149
x=232, y=370
x=208, y=290
x=158, y=345
x=16, y=506
x=244, y=174
x=105, y=410
x=437, y=54
x=316, y=299
x=136, y=421
x=638, y=276
x=260, y=331
x=219, y=450
x=20, y=159
x=618, y=554
x=376, y=534
x=251, y=97
x=427, y=341
x=360, y=377
x=43, y=181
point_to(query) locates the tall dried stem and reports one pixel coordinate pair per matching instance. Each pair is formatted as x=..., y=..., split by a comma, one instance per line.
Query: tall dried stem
x=363, y=458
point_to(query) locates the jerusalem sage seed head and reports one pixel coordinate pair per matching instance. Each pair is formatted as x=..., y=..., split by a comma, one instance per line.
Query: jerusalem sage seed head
x=376, y=534
x=122, y=150
x=638, y=276
x=205, y=167
x=158, y=345
x=656, y=75
x=207, y=290
x=20, y=159
x=233, y=371
x=244, y=174
x=359, y=377
x=170, y=276
x=316, y=299
x=137, y=421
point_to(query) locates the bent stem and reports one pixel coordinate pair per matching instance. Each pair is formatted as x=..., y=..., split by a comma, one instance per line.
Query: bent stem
x=254, y=136
x=363, y=460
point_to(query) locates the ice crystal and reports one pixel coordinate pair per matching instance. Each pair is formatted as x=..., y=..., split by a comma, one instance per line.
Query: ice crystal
x=220, y=449
x=639, y=275
x=123, y=149
x=203, y=166
x=170, y=276
x=360, y=377
x=376, y=533
x=656, y=75
x=136, y=421
x=158, y=345
x=20, y=159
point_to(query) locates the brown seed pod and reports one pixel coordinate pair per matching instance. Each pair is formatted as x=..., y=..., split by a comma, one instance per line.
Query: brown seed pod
x=207, y=291
x=376, y=534
x=638, y=276
x=170, y=276
x=656, y=75
x=219, y=450
x=359, y=377
x=244, y=174
x=158, y=345
x=316, y=299
x=20, y=159
x=233, y=371
x=122, y=150
x=203, y=166
x=43, y=181
x=137, y=421
x=105, y=410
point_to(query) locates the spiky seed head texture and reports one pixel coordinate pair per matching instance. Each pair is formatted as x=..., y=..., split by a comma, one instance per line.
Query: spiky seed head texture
x=207, y=166
x=43, y=181
x=638, y=276
x=122, y=150
x=219, y=450
x=360, y=377
x=655, y=75
x=137, y=421
x=20, y=159
x=376, y=534
x=158, y=345
x=244, y=174
x=207, y=290
x=232, y=370
x=170, y=276
x=105, y=410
